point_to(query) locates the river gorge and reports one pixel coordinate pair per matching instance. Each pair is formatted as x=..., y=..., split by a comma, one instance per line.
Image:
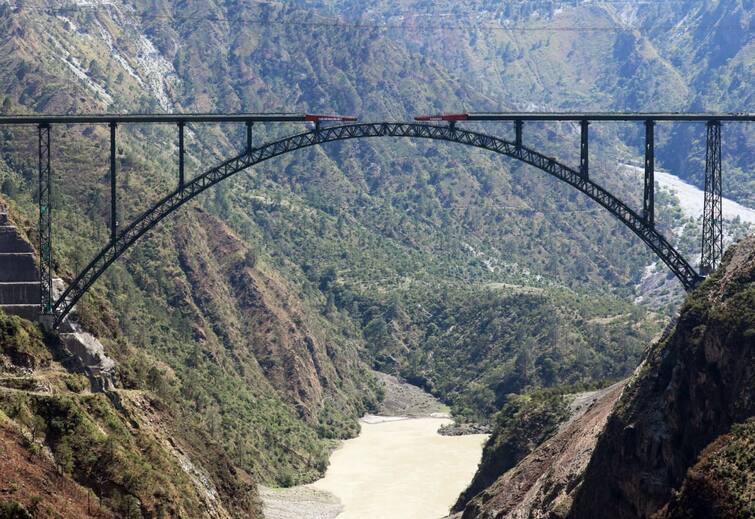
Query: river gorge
x=399, y=466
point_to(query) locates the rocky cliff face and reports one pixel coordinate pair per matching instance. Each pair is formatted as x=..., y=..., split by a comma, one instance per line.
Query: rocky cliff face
x=691, y=389
x=676, y=443
x=543, y=483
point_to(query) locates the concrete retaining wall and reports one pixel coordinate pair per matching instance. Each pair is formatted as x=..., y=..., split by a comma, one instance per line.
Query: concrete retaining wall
x=11, y=241
x=23, y=293
x=29, y=312
x=18, y=267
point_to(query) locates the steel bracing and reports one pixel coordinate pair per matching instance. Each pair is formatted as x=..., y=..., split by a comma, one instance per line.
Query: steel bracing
x=712, y=242
x=450, y=133
x=45, y=219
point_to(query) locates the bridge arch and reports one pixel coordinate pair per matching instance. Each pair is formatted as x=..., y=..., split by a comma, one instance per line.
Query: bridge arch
x=170, y=203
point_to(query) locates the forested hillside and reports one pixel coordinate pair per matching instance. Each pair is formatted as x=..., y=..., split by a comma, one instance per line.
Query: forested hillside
x=256, y=313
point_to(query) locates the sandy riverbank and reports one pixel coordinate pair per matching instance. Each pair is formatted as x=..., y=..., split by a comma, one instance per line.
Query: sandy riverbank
x=302, y=502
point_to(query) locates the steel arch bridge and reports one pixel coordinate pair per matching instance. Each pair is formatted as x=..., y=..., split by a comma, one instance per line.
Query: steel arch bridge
x=643, y=225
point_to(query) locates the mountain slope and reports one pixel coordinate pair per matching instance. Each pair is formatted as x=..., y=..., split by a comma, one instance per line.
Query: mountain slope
x=68, y=452
x=254, y=313
x=691, y=389
x=674, y=440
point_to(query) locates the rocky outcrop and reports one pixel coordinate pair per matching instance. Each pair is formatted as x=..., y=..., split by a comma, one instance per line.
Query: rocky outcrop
x=676, y=443
x=84, y=353
x=544, y=482
x=691, y=389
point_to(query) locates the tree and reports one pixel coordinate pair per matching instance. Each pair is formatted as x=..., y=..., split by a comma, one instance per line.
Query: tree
x=38, y=428
x=250, y=258
x=328, y=278
x=64, y=456
x=156, y=380
x=9, y=187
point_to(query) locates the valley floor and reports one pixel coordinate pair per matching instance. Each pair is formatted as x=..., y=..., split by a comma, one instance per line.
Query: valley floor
x=399, y=466
x=691, y=198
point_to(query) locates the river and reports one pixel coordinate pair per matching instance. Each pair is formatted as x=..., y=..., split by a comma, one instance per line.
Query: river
x=401, y=469
x=691, y=198
x=398, y=467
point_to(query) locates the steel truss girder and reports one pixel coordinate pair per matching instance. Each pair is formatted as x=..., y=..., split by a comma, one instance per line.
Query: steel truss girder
x=670, y=256
x=712, y=241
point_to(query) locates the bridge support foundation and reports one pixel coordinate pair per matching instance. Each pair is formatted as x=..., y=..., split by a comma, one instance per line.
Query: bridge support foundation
x=45, y=219
x=712, y=242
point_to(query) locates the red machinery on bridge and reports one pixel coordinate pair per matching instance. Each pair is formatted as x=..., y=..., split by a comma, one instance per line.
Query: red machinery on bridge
x=319, y=118
x=443, y=117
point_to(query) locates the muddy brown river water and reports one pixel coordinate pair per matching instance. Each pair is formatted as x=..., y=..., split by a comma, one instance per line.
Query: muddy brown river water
x=401, y=469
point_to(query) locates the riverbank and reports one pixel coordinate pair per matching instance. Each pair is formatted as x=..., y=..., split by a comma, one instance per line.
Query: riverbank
x=403, y=399
x=302, y=502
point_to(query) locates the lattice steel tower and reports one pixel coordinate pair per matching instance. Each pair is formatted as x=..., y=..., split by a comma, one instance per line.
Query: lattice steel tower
x=45, y=219
x=712, y=243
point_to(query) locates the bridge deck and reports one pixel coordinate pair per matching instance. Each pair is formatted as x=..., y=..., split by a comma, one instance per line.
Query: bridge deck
x=296, y=117
x=150, y=118
x=610, y=116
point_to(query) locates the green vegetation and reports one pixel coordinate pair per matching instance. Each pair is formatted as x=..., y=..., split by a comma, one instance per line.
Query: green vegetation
x=14, y=510
x=474, y=346
x=524, y=422
x=22, y=342
x=254, y=313
x=723, y=481
x=94, y=439
x=91, y=442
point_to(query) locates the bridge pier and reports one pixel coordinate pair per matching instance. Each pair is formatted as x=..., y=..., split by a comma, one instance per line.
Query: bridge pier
x=584, y=152
x=113, y=186
x=712, y=242
x=45, y=219
x=648, y=206
x=181, y=179
x=249, y=136
x=518, y=126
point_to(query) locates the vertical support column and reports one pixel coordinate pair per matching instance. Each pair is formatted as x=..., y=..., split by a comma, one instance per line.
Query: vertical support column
x=45, y=220
x=181, y=178
x=584, y=152
x=648, y=206
x=249, y=136
x=113, y=187
x=712, y=243
x=518, y=124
